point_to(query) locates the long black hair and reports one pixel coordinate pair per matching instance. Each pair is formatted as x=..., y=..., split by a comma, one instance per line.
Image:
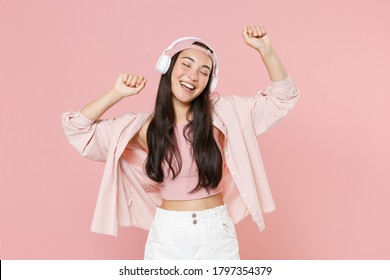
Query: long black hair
x=162, y=143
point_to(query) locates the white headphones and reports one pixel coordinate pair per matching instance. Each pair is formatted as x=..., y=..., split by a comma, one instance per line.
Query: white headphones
x=164, y=61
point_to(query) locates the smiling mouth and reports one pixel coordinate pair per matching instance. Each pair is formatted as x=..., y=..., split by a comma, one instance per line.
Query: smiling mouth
x=187, y=85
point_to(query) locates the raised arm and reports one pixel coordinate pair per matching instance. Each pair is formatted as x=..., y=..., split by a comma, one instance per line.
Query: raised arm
x=88, y=134
x=270, y=106
x=125, y=85
x=257, y=38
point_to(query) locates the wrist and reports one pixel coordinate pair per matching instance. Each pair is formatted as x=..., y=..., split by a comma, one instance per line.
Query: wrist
x=266, y=51
x=114, y=95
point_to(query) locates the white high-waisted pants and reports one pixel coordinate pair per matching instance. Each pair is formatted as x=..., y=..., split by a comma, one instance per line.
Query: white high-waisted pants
x=192, y=235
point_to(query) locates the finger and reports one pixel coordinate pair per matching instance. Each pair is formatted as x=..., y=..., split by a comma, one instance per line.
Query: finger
x=263, y=32
x=139, y=80
x=123, y=77
x=134, y=81
x=259, y=31
x=245, y=33
x=129, y=79
x=255, y=32
x=140, y=87
x=250, y=32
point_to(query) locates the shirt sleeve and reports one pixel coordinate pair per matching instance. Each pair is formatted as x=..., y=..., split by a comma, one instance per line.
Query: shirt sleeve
x=90, y=138
x=269, y=107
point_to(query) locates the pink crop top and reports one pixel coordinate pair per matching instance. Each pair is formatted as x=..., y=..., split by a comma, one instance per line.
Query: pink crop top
x=186, y=180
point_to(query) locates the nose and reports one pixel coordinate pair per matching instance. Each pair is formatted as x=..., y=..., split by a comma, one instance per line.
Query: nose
x=193, y=75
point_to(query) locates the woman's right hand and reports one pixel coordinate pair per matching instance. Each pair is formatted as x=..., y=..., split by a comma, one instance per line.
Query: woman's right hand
x=129, y=84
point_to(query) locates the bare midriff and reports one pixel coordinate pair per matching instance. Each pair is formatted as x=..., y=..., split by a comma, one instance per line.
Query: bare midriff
x=193, y=205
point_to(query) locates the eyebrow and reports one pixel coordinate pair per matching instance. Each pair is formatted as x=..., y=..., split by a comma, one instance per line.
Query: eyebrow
x=193, y=60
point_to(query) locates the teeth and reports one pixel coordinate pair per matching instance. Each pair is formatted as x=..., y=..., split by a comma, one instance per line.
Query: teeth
x=187, y=85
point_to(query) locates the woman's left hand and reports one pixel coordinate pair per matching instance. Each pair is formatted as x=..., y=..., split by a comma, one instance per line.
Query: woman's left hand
x=256, y=37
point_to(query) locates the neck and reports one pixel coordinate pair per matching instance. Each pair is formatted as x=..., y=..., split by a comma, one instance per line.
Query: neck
x=181, y=113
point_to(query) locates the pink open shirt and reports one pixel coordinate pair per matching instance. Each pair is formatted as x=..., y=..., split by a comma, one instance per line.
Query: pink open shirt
x=130, y=198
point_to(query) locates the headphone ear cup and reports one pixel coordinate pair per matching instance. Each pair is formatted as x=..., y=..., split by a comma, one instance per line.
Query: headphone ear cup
x=163, y=63
x=213, y=83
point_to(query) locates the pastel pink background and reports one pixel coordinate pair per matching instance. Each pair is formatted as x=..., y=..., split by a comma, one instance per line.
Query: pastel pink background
x=327, y=162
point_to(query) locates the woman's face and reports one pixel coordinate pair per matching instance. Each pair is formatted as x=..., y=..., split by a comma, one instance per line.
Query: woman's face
x=190, y=76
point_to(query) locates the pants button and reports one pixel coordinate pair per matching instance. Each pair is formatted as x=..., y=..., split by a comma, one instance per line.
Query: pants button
x=194, y=222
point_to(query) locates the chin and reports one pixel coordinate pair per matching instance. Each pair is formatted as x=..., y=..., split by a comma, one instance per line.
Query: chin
x=185, y=100
x=184, y=97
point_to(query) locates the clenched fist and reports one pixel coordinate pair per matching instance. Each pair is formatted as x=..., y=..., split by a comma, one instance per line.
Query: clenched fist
x=256, y=37
x=129, y=84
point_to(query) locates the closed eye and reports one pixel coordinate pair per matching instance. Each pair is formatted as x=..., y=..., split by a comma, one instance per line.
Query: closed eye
x=186, y=64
